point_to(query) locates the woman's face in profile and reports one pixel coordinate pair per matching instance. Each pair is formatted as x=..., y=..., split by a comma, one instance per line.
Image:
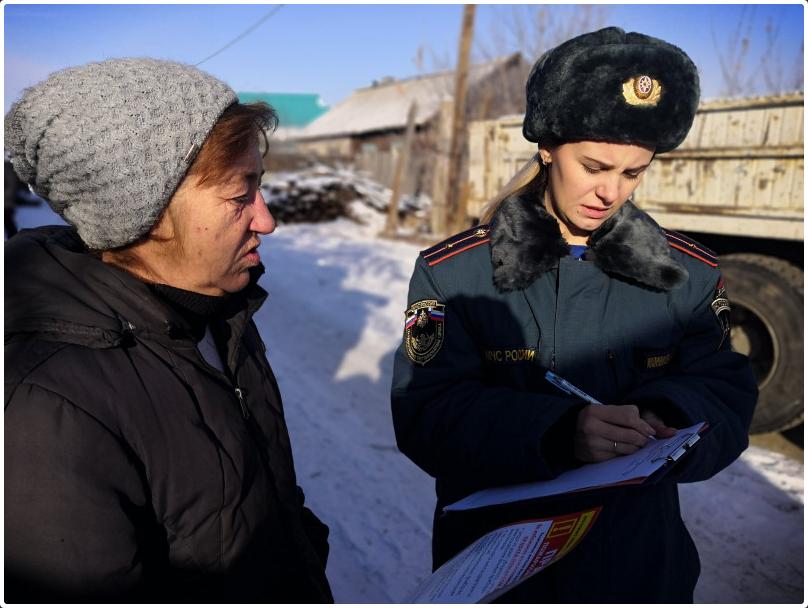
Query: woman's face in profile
x=590, y=181
x=208, y=239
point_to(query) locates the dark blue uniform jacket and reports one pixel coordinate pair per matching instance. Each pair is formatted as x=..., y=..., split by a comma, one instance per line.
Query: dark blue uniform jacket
x=632, y=323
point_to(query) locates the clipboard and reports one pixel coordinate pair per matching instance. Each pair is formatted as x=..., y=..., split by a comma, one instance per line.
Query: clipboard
x=647, y=465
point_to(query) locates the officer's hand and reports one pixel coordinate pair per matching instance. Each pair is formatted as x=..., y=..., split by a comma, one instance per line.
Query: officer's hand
x=605, y=431
x=661, y=430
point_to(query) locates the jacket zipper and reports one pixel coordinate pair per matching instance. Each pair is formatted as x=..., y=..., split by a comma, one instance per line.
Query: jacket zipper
x=243, y=403
x=613, y=365
x=555, y=319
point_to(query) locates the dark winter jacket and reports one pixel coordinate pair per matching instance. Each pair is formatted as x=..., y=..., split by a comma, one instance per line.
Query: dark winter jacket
x=632, y=323
x=135, y=471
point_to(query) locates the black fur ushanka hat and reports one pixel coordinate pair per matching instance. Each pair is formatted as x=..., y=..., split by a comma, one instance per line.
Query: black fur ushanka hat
x=612, y=86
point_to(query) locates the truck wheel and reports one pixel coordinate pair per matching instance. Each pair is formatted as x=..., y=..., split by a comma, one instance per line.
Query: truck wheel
x=767, y=325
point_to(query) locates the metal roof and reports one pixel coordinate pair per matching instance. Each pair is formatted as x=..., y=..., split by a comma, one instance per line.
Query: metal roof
x=294, y=109
x=385, y=104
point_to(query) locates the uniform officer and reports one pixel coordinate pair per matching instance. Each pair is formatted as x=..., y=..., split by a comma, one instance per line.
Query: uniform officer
x=566, y=274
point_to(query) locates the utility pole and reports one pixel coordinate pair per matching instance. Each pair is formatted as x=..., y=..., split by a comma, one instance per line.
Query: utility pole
x=398, y=178
x=442, y=140
x=455, y=211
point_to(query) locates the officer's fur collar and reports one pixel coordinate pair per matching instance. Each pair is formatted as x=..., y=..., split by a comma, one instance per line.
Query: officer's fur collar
x=526, y=242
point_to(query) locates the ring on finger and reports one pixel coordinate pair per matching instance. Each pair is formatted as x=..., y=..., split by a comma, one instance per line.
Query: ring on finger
x=615, y=446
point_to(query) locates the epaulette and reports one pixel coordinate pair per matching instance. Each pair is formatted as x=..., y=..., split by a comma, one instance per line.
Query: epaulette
x=473, y=237
x=679, y=241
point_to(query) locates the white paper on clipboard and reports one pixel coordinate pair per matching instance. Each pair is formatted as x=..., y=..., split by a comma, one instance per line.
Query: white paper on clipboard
x=624, y=470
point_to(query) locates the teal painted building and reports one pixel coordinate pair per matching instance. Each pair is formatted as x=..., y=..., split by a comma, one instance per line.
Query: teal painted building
x=295, y=110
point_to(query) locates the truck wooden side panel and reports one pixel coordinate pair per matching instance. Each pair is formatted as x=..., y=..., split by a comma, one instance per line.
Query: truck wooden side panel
x=739, y=171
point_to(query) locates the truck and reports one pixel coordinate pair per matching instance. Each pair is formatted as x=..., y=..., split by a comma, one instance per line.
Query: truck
x=736, y=186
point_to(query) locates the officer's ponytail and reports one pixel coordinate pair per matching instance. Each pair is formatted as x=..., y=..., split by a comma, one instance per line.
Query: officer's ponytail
x=531, y=179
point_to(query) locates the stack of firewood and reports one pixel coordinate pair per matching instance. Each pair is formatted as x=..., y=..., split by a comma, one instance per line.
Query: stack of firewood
x=292, y=202
x=323, y=194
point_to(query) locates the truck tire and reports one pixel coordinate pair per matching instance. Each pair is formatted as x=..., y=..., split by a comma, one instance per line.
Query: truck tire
x=766, y=295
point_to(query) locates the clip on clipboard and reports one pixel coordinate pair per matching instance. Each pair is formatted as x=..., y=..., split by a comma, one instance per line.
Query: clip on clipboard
x=683, y=447
x=646, y=465
x=676, y=450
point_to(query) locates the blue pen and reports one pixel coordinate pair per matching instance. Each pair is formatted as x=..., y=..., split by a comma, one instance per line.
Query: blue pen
x=569, y=388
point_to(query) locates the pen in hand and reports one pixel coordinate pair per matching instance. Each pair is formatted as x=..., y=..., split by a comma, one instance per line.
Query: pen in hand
x=571, y=389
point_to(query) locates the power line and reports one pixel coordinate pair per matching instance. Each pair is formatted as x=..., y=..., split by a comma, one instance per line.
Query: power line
x=242, y=34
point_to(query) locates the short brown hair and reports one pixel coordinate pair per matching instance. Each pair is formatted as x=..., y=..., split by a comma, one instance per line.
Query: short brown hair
x=239, y=126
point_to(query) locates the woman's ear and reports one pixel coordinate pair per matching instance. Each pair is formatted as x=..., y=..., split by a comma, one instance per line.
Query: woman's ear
x=545, y=156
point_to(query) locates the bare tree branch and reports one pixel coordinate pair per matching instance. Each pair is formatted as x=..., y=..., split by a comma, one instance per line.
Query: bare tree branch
x=741, y=73
x=795, y=82
x=533, y=29
x=772, y=69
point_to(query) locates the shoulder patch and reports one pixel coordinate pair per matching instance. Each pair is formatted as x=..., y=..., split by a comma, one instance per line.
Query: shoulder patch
x=694, y=249
x=423, y=330
x=722, y=309
x=473, y=237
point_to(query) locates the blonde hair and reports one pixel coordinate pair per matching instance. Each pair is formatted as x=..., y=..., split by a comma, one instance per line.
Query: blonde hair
x=526, y=176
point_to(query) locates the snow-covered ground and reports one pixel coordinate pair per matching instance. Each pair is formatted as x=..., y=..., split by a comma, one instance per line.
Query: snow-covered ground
x=331, y=324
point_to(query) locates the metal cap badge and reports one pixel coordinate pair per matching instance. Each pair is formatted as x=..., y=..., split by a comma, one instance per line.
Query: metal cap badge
x=642, y=90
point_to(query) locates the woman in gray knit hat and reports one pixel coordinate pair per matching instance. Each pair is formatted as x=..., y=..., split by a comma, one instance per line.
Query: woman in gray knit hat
x=567, y=276
x=146, y=454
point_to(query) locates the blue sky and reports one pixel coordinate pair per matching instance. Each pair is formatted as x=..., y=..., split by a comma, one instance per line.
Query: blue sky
x=334, y=49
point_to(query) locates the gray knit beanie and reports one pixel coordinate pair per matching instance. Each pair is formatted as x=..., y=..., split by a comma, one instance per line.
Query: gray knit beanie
x=108, y=143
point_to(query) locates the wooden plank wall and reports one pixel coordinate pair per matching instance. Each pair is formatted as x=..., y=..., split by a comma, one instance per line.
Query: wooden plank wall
x=741, y=158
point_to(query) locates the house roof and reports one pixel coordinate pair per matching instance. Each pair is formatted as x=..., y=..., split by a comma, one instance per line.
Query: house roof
x=385, y=104
x=294, y=109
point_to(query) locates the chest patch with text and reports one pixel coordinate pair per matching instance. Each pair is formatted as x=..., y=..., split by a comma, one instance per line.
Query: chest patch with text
x=509, y=355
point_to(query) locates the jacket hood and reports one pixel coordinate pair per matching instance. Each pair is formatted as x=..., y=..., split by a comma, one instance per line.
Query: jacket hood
x=526, y=242
x=57, y=290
